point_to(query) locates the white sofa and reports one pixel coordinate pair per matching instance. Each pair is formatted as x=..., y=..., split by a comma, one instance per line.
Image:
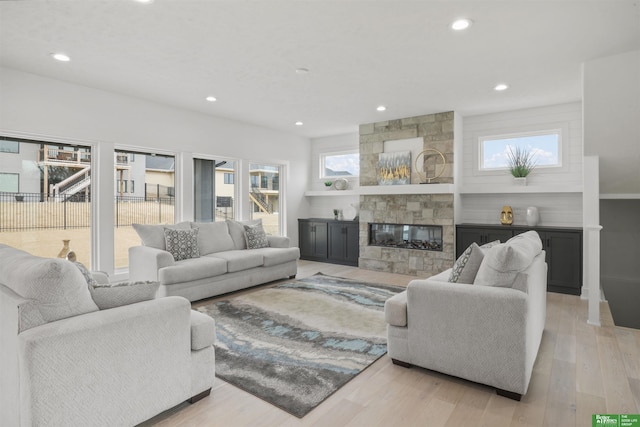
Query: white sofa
x=67, y=363
x=487, y=330
x=221, y=264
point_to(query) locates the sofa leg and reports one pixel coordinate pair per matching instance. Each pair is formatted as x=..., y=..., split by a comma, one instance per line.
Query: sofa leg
x=200, y=396
x=401, y=363
x=509, y=394
x=292, y=277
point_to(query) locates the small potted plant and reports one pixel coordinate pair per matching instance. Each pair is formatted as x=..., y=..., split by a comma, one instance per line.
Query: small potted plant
x=328, y=184
x=521, y=162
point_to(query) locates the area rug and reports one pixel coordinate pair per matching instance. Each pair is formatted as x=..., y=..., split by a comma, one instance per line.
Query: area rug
x=295, y=344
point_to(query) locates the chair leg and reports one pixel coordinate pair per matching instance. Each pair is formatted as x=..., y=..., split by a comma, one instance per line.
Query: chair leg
x=509, y=394
x=200, y=396
x=401, y=363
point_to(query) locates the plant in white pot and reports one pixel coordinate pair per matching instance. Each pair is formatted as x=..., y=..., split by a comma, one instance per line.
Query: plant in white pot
x=521, y=162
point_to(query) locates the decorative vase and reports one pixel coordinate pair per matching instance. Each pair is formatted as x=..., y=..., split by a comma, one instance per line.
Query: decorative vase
x=65, y=249
x=520, y=180
x=532, y=216
x=506, y=215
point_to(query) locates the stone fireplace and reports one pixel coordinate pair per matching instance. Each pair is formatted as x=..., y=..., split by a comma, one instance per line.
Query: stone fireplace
x=381, y=212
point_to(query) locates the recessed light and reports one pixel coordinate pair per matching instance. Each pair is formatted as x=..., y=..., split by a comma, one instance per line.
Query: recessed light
x=501, y=86
x=211, y=98
x=299, y=123
x=381, y=108
x=461, y=24
x=302, y=71
x=144, y=1
x=61, y=57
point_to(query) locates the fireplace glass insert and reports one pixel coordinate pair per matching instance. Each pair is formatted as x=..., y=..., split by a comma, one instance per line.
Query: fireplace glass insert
x=406, y=236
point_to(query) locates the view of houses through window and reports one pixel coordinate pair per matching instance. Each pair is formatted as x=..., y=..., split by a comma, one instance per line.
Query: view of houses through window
x=264, y=195
x=214, y=190
x=45, y=197
x=144, y=194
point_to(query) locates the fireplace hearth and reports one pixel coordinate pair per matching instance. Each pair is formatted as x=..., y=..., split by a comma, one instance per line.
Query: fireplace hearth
x=406, y=236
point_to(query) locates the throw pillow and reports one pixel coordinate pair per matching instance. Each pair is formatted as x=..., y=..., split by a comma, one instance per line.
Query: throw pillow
x=256, y=237
x=213, y=237
x=153, y=235
x=466, y=266
x=86, y=273
x=116, y=295
x=236, y=230
x=182, y=244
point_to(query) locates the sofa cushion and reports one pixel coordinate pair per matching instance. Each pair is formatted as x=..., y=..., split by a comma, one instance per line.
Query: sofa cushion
x=192, y=269
x=255, y=236
x=182, y=244
x=236, y=230
x=240, y=259
x=395, y=309
x=203, y=330
x=213, y=237
x=275, y=256
x=56, y=285
x=153, y=235
x=503, y=262
x=124, y=293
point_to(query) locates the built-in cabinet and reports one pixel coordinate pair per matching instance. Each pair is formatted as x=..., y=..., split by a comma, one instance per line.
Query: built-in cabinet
x=563, y=247
x=328, y=240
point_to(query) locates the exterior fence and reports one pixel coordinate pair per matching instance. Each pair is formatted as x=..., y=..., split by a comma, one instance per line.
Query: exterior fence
x=33, y=211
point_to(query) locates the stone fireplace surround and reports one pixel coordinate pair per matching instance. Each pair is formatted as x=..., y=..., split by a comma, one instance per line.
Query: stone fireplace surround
x=420, y=209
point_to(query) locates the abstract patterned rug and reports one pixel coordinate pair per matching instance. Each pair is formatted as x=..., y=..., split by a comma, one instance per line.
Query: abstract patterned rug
x=295, y=344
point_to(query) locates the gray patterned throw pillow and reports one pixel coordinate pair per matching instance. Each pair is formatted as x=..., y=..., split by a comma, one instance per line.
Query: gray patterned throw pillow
x=467, y=265
x=256, y=237
x=119, y=294
x=182, y=244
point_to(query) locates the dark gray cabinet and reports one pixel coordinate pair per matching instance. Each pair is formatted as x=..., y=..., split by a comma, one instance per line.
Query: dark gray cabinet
x=563, y=247
x=329, y=240
x=344, y=245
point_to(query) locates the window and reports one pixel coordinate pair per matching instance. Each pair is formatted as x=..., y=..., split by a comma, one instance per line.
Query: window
x=228, y=178
x=45, y=197
x=343, y=164
x=265, y=200
x=9, y=182
x=9, y=146
x=214, y=189
x=544, y=145
x=152, y=201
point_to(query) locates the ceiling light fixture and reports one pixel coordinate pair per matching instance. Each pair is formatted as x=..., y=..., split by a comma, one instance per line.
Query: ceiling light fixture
x=501, y=86
x=145, y=1
x=299, y=123
x=461, y=24
x=381, y=108
x=302, y=71
x=211, y=98
x=61, y=57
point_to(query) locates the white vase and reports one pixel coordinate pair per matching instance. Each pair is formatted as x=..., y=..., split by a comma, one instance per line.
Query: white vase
x=520, y=180
x=532, y=216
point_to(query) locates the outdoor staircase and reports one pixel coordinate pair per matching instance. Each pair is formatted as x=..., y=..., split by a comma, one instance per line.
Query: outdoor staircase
x=260, y=199
x=72, y=185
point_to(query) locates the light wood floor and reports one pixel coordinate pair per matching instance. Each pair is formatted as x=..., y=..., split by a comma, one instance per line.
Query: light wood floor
x=580, y=370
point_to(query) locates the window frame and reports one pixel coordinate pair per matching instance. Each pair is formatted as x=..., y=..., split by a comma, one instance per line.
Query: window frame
x=559, y=131
x=322, y=161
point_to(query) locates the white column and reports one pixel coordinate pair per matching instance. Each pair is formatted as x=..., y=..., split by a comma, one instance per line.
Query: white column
x=591, y=233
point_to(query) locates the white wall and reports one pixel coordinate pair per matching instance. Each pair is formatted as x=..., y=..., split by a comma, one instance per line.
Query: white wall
x=611, y=99
x=322, y=206
x=36, y=106
x=484, y=194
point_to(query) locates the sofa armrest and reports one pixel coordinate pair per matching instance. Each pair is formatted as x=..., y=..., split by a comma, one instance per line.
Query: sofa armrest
x=145, y=261
x=112, y=367
x=474, y=332
x=278, y=241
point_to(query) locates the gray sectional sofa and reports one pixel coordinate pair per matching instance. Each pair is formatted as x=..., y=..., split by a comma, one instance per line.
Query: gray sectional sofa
x=210, y=259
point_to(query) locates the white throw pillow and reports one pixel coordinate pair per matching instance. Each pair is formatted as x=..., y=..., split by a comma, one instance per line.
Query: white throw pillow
x=213, y=237
x=116, y=295
x=236, y=230
x=153, y=235
x=503, y=262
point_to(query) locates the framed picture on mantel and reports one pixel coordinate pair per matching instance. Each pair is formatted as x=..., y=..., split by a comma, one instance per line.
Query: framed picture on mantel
x=394, y=168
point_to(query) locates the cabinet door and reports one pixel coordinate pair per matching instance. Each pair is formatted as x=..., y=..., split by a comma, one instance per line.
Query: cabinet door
x=502, y=235
x=306, y=238
x=320, y=239
x=313, y=239
x=465, y=236
x=564, y=260
x=344, y=243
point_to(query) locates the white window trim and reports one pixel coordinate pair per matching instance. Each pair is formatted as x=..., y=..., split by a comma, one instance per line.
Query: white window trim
x=479, y=151
x=283, y=170
x=321, y=168
x=236, y=183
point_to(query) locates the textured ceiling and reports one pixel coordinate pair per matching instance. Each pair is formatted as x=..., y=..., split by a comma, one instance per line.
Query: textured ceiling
x=360, y=54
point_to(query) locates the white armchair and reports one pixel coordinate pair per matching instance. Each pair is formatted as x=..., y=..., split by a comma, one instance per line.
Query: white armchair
x=482, y=333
